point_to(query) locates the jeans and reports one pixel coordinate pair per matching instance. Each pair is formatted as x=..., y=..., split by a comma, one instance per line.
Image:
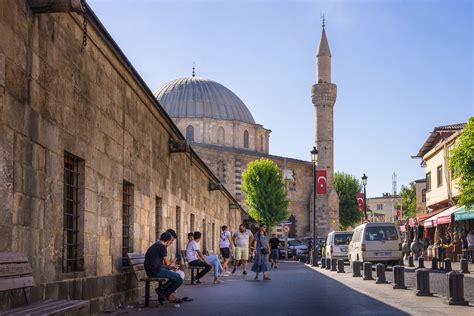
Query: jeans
x=174, y=280
x=207, y=268
x=216, y=264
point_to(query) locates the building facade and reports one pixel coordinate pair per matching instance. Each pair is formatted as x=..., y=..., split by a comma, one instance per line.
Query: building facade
x=384, y=208
x=91, y=165
x=420, y=192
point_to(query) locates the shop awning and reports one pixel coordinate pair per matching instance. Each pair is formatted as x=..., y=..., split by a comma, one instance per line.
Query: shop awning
x=441, y=218
x=464, y=214
x=424, y=217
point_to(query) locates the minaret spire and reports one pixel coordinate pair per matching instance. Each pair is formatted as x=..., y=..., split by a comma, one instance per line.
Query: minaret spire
x=324, y=57
x=194, y=73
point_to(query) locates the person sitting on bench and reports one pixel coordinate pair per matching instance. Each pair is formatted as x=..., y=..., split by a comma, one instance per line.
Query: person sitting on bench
x=195, y=257
x=157, y=265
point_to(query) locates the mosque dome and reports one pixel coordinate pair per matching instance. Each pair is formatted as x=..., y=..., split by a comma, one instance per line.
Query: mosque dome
x=199, y=97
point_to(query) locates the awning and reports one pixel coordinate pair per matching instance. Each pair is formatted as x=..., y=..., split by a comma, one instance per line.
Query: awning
x=424, y=217
x=442, y=218
x=464, y=214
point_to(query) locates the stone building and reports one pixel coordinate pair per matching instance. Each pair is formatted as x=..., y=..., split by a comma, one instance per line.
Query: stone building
x=384, y=208
x=222, y=130
x=420, y=192
x=91, y=166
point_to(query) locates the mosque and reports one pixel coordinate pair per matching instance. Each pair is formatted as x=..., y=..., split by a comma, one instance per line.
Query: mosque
x=222, y=131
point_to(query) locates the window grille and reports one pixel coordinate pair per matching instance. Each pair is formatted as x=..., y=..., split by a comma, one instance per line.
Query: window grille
x=127, y=220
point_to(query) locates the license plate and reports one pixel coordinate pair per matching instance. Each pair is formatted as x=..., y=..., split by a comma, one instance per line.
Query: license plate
x=383, y=254
x=343, y=249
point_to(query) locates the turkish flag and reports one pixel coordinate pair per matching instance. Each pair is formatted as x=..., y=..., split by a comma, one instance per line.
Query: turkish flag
x=321, y=182
x=360, y=201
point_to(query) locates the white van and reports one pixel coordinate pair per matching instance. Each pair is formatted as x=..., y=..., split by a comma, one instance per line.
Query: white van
x=376, y=242
x=337, y=245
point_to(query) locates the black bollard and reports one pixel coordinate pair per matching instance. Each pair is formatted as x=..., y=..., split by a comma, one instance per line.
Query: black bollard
x=423, y=282
x=399, y=277
x=356, y=269
x=368, y=271
x=411, y=264
x=464, y=266
x=340, y=266
x=328, y=263
x=380, y=268
x=456, y=288
x=421, y=263
x=447, y=265
x=323, y=262
x=434, y=264
x=333, y=264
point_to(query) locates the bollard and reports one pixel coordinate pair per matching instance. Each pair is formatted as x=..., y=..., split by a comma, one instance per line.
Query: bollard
x=380, y=268
x=447, y=265
x=399, y=277
x=340, y=266
x=410, y=262
x=423, y=282
x=328, y=263
x=356, y=269
x=421, y=263
x=434, y=264
x=464, y=266
x=456, y=288
x=333, y=264
x=323, y=262
x=368, y=271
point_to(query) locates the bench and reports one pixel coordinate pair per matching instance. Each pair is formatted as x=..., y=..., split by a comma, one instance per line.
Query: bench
x=136, y=261
x=16, y=273
x=191, y=268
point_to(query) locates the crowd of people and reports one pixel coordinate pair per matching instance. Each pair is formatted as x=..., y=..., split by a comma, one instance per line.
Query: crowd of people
x=243, y=246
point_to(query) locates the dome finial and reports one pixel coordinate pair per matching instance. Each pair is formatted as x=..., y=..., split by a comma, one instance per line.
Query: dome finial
x=194, y=73
x=324, y=21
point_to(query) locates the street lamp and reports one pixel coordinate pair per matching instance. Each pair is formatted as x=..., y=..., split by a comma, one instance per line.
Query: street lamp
x=314, y=160
x=364, y=182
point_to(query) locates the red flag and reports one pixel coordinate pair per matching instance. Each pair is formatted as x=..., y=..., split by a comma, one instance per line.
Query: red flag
x=321, y=182
x=360, y=201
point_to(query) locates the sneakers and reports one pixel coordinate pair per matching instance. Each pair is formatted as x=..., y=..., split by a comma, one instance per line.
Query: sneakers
x=233, y=270
x=227, y=273
x=245, y=272
x=272, y=264
x=197, y=281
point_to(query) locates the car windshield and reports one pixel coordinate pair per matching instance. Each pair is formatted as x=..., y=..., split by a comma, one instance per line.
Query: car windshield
x=342, y=239
x=379, y=233
x=294, y=243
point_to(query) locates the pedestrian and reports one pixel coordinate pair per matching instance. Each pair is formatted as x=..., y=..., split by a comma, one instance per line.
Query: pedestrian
x=195, y=257
x=224, y=246
x=470, y=239
x=242, y=240
x=274, y=251
x=158, y=265
x=262, y=249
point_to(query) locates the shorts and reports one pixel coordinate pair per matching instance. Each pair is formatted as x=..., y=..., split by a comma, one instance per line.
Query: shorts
x=274, y=254
x=225, y=253
x=241, y=253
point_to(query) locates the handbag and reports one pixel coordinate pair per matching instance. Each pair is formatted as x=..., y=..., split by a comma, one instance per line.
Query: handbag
x=263, y=251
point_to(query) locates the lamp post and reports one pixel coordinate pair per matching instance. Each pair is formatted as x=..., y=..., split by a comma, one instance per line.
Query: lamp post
x=314, y=160
x=364, y=182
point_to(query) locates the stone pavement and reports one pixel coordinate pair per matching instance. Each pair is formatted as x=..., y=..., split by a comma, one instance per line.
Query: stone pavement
x=297, y=289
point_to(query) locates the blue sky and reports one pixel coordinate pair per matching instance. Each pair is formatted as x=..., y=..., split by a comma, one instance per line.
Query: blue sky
x=401, y=67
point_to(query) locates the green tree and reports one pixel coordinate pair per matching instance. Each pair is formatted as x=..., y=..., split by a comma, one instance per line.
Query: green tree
x=461, y=161
x=347, y=186
x=265, y=192
x=408, y=195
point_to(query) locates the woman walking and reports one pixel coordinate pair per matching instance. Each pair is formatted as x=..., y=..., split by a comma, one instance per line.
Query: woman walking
x=262, y=249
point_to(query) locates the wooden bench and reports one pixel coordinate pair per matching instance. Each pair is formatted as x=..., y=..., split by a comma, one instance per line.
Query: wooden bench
x=16, y=273
x=191, y=268
x=136, y=261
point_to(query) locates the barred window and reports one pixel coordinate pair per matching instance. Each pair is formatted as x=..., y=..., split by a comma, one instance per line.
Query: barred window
x=127, y=221
x=190, y=133
x=178, y=232
x=246, y=139
x=158, y=211
x=191, y=224
x=73, y=246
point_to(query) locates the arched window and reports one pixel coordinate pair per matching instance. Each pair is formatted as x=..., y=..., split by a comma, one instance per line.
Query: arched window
x=220, y=136
x=190, y=133
x=261, y=143
x=246, y=139
x=221, y=171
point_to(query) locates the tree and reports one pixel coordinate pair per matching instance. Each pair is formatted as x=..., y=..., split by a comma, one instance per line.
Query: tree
x=408, y=195
x=461, y=161
x=265, y=193
x=347, y=186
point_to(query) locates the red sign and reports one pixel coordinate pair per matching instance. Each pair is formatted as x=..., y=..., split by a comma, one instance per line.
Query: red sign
x=360, y=201
x=399, y=213
x=321, y=182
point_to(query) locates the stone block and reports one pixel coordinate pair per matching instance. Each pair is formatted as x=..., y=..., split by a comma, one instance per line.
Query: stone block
x=51, y=291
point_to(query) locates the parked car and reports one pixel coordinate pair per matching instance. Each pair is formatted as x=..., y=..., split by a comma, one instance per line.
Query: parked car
x=337, y=245
x=376, y=242
x=293, y=245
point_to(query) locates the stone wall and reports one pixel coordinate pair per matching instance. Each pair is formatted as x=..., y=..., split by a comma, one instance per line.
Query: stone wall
x=56, y=98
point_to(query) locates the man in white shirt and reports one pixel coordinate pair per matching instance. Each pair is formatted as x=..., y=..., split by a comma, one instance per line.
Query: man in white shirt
x=195, y=257
x=224, y=246
x=470, y=239
x=242, y=240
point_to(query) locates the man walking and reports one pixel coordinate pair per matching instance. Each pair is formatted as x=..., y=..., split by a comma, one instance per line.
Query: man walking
x=195, y=257
x=274, y=252
x=224, y=246
x=242, y=240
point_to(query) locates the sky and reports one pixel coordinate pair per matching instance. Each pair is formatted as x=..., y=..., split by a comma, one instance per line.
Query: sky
x=401, y=68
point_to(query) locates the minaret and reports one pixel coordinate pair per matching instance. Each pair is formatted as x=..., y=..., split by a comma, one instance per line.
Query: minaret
x=323, y=95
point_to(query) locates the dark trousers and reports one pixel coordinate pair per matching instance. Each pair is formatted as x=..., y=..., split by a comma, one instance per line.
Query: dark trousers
x=207, y=268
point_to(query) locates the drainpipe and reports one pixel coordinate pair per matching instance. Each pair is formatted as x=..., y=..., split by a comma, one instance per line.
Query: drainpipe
x=55, y=6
